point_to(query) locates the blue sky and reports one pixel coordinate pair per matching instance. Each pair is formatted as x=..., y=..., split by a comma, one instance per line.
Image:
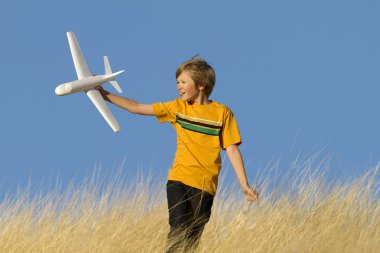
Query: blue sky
x=300, y=76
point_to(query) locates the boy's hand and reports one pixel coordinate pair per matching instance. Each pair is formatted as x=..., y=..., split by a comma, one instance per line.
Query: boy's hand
x=102, y=91
x=250, y=193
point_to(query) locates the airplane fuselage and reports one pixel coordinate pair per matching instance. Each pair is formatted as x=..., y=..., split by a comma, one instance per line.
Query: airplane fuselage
x=84, y=84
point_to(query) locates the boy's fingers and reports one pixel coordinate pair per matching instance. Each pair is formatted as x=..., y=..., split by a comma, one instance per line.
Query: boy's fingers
x=252, y=197
x=252, y=194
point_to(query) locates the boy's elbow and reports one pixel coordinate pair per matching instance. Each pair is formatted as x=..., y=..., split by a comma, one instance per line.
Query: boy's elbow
x=143, y=109
x=231, y=149
x=135, y=108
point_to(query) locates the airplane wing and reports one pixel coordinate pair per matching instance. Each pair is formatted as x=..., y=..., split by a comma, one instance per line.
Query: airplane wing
x=79, y=61
x=101, y=105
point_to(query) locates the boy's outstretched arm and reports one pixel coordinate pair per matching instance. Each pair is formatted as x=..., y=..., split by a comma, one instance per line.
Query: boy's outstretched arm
x=236, y=160
x=126, y=103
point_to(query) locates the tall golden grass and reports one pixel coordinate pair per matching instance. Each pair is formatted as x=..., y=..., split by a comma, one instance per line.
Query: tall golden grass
x=303, y=213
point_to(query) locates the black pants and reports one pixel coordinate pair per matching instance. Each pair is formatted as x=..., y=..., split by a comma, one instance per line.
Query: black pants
x=189, y=211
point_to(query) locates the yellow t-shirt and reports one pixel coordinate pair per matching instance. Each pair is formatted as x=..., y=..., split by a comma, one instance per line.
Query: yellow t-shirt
x=202, y=131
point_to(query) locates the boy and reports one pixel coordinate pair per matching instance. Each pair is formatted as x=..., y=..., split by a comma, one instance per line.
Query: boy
x=203, y=127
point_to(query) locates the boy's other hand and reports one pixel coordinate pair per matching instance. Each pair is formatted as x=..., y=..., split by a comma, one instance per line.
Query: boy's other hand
x=250, y=193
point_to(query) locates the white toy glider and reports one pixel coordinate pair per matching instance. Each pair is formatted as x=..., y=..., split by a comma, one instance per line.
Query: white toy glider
x=87, y=82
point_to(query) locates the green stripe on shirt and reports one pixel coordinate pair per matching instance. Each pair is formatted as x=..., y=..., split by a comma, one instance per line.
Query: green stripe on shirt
x=197, y=128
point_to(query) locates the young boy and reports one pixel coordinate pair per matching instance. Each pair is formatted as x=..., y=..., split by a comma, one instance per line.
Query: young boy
x=203, y=127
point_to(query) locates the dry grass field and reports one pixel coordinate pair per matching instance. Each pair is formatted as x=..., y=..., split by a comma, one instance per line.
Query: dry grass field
x=301, y=214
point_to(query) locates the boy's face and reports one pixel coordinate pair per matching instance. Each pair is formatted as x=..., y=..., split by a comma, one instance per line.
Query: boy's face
x=187, y=89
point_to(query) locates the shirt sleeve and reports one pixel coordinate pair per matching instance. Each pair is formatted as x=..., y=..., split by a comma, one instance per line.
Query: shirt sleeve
x=165, y=111
x=230, y=131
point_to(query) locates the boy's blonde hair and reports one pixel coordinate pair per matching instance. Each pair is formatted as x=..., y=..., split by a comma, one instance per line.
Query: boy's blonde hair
x=200, y=71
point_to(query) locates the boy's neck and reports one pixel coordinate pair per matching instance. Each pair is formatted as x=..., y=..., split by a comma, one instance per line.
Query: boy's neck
x=202, y=99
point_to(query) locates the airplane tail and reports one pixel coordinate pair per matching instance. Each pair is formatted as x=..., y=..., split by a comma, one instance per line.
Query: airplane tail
x=109, y=72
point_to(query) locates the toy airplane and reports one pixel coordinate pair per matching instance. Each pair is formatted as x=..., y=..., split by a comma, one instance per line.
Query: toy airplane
x=87, y=82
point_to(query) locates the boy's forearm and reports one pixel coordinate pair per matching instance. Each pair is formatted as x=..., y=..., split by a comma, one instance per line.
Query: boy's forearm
x=126, y=103
x=237, y=163
x=236, y=159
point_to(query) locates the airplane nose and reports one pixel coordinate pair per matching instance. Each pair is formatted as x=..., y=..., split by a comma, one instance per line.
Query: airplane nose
x=59, y=90
x=63, y=89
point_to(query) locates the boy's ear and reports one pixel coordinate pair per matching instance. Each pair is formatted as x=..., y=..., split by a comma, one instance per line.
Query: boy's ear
x=201, y=87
